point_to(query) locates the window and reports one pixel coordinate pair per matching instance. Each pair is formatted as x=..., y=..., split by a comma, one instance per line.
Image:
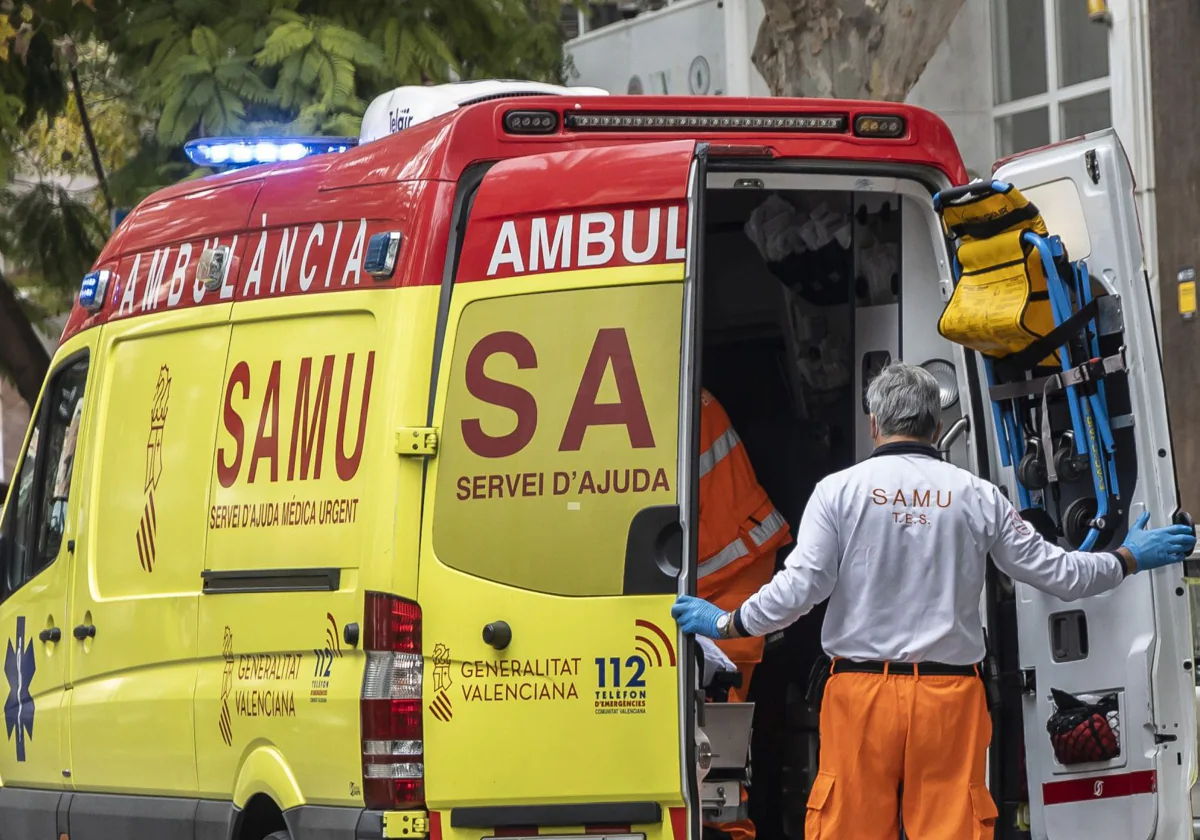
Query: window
x=1194, y=602
x=36, y=516
x=1052, y=73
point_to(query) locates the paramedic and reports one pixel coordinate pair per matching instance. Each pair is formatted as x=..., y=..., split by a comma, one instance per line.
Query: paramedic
x=898, y=544
x=740, y=531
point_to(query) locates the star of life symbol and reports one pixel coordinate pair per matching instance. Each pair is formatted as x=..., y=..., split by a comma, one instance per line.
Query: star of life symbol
x=19, y=666
x=441, y=668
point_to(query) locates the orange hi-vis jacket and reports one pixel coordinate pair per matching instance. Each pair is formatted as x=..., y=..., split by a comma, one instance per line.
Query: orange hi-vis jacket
x=740, y=530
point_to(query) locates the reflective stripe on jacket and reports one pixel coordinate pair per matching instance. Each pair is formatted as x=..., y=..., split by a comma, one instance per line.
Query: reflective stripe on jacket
x=738, y=523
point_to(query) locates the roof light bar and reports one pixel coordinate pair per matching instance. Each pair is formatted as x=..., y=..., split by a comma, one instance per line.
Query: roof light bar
x=704, y=122
x=248, y=151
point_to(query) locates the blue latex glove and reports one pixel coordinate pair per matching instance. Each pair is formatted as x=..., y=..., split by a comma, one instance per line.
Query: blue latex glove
x=1159, y=546
x=695, y=615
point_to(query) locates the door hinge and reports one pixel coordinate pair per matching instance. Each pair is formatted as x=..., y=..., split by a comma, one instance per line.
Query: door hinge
x=405, y=824
x=417, y=441
x=1023, y=681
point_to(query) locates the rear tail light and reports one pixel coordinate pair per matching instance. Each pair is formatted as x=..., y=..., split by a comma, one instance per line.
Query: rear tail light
x=531, y=122
x=879, y=125
x=393, y=747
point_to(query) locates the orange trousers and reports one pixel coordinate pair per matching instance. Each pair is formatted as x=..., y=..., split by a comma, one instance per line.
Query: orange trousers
x=908, y=746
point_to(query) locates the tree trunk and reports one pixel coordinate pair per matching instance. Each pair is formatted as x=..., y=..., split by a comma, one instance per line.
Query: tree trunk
x=24, y=355
x=849, y=49
x=1174, y=65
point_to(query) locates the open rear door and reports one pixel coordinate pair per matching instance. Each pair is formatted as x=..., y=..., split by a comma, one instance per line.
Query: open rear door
x=553, y=541
x=1134, y=641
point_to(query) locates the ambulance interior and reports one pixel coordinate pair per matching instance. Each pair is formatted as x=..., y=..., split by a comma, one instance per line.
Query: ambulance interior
x=806, y=293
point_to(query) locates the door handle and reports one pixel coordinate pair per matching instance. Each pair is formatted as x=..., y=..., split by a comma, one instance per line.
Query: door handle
x=51, y=634
x=497, y=634
x=653, y=552
x=85, y=631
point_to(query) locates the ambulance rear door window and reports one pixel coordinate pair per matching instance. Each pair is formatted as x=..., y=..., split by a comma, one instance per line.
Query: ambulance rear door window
x=561, y=424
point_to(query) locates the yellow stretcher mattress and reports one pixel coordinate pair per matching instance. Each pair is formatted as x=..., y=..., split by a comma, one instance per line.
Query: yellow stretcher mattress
x=1000, y=305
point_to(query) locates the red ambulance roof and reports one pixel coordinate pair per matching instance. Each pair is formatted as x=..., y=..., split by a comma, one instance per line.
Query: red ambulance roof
x=384, y=181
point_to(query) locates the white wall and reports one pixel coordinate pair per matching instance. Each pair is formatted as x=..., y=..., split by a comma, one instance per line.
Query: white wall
x=957, y=85
x=678, y=50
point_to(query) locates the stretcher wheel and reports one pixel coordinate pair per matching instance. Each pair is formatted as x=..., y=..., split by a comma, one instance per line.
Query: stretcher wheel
x=1031, y=472
x=1070, y=466
x=1079, y=518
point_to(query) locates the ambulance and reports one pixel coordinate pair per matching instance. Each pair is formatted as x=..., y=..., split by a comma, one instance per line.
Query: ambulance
x=364, y=476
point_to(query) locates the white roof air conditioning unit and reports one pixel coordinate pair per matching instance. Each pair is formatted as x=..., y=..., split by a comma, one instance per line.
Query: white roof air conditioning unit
x=404, y=107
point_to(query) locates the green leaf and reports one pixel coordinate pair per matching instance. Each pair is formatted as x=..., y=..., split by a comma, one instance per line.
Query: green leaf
x=285, y=40
x=187, y=66
x=205, y=43
x=49, y=231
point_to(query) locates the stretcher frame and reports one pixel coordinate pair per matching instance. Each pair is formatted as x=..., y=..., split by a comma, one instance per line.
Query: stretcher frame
x=1075, y=315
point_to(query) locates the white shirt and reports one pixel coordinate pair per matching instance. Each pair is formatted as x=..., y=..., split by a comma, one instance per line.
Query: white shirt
x=899, y=544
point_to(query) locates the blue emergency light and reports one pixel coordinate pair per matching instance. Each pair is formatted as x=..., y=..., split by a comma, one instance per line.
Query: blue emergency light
x=248, y=151
x=93, y=289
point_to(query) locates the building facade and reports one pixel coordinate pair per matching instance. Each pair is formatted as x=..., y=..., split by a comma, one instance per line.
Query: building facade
x=1010, y=76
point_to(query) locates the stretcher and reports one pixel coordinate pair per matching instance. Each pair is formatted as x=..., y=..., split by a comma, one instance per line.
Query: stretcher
x=1029, y=310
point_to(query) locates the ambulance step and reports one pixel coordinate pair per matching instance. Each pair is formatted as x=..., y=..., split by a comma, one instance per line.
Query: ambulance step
x=582, y=813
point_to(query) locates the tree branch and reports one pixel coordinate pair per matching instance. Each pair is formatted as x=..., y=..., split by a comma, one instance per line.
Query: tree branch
x=91, y=139
x=20, y=348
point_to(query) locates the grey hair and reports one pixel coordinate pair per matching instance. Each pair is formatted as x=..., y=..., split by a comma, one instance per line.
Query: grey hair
x=906, y=401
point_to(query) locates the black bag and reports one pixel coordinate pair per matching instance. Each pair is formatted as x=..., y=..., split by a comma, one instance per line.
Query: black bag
x=1082, y=732
x=816, y=682
x=990, y=674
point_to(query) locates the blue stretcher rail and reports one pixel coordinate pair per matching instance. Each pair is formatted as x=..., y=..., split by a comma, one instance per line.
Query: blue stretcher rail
x=1089, y=416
